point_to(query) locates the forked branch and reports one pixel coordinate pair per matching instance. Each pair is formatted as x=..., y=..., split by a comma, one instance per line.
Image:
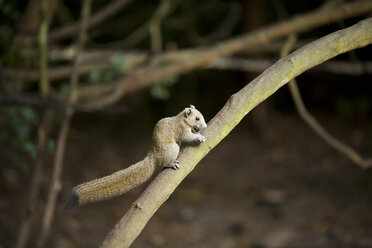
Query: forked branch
x=332, y=141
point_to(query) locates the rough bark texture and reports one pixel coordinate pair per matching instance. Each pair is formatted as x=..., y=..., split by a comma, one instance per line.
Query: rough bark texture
x=230, y=115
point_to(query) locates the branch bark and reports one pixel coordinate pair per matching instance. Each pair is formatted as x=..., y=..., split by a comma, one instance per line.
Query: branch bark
x=239, y=105
x=258, y=65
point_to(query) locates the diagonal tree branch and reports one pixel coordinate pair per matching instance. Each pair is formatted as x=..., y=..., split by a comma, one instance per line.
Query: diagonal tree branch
x=239, y=105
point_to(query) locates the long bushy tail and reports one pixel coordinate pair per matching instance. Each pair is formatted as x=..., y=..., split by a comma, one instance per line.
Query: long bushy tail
x=112, y=185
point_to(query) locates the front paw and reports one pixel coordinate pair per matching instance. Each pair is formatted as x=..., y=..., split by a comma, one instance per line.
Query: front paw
x=175, y=165
x=201, y=139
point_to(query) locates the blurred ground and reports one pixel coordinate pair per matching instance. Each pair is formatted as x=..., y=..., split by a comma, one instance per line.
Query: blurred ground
x=273, y=185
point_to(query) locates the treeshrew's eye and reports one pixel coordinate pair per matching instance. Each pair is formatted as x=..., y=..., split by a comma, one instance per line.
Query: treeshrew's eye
x=197, y=118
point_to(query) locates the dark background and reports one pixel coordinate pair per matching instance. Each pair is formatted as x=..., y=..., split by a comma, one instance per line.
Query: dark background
x=272, y=182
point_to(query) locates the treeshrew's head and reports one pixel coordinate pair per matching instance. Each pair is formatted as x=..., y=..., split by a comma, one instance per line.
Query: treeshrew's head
x=194, y=119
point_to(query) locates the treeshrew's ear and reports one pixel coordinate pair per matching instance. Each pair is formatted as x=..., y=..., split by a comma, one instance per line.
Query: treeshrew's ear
x=187, y=112
x=192, y=106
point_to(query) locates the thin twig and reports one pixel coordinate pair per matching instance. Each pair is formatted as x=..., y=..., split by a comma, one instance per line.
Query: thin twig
x=223, y=31
x=150, y=26
x=201, y=56
x=100, y=60
x=29, y=22
x=154, y=25
x=103, y=60
x=28, y=216
x=332, y=141
x=152, y=74
x=56, y=184
x=43, y=131
x=131, y=40
x=239, y=105
x=71, y=29
x=43, y=46
x=35, y=101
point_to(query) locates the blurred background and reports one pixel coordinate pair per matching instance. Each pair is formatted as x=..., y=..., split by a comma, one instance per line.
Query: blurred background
x=272, y=182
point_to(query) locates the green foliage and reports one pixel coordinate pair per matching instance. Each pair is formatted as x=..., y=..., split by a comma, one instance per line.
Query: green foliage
x=30, y=148
x=51, y=145
x=161, y=91
x=19, y=123
x=116, y=71
x=19, y=56
x=64, y=88
x=8, y=11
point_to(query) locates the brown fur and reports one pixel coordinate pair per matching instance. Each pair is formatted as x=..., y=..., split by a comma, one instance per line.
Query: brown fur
x=169, y=133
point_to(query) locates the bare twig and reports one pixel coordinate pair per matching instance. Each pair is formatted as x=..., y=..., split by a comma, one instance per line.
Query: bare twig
x=239, y=105
x=43, y=131
x=35, y=101
x=154, y=25
x=151, y=26
x=131, y=40
x=97, y=18
x=174, y=63
x=29, y=22
x=92, y=61
x=332, y=141
x=28, y=216
x=43, y=35
x=152, y=74
x=62, y=137
x=186, y=60
x=223, y=31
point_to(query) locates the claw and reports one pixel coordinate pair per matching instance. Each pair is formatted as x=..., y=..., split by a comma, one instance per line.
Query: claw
x=201, y=139
x=174, y=165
